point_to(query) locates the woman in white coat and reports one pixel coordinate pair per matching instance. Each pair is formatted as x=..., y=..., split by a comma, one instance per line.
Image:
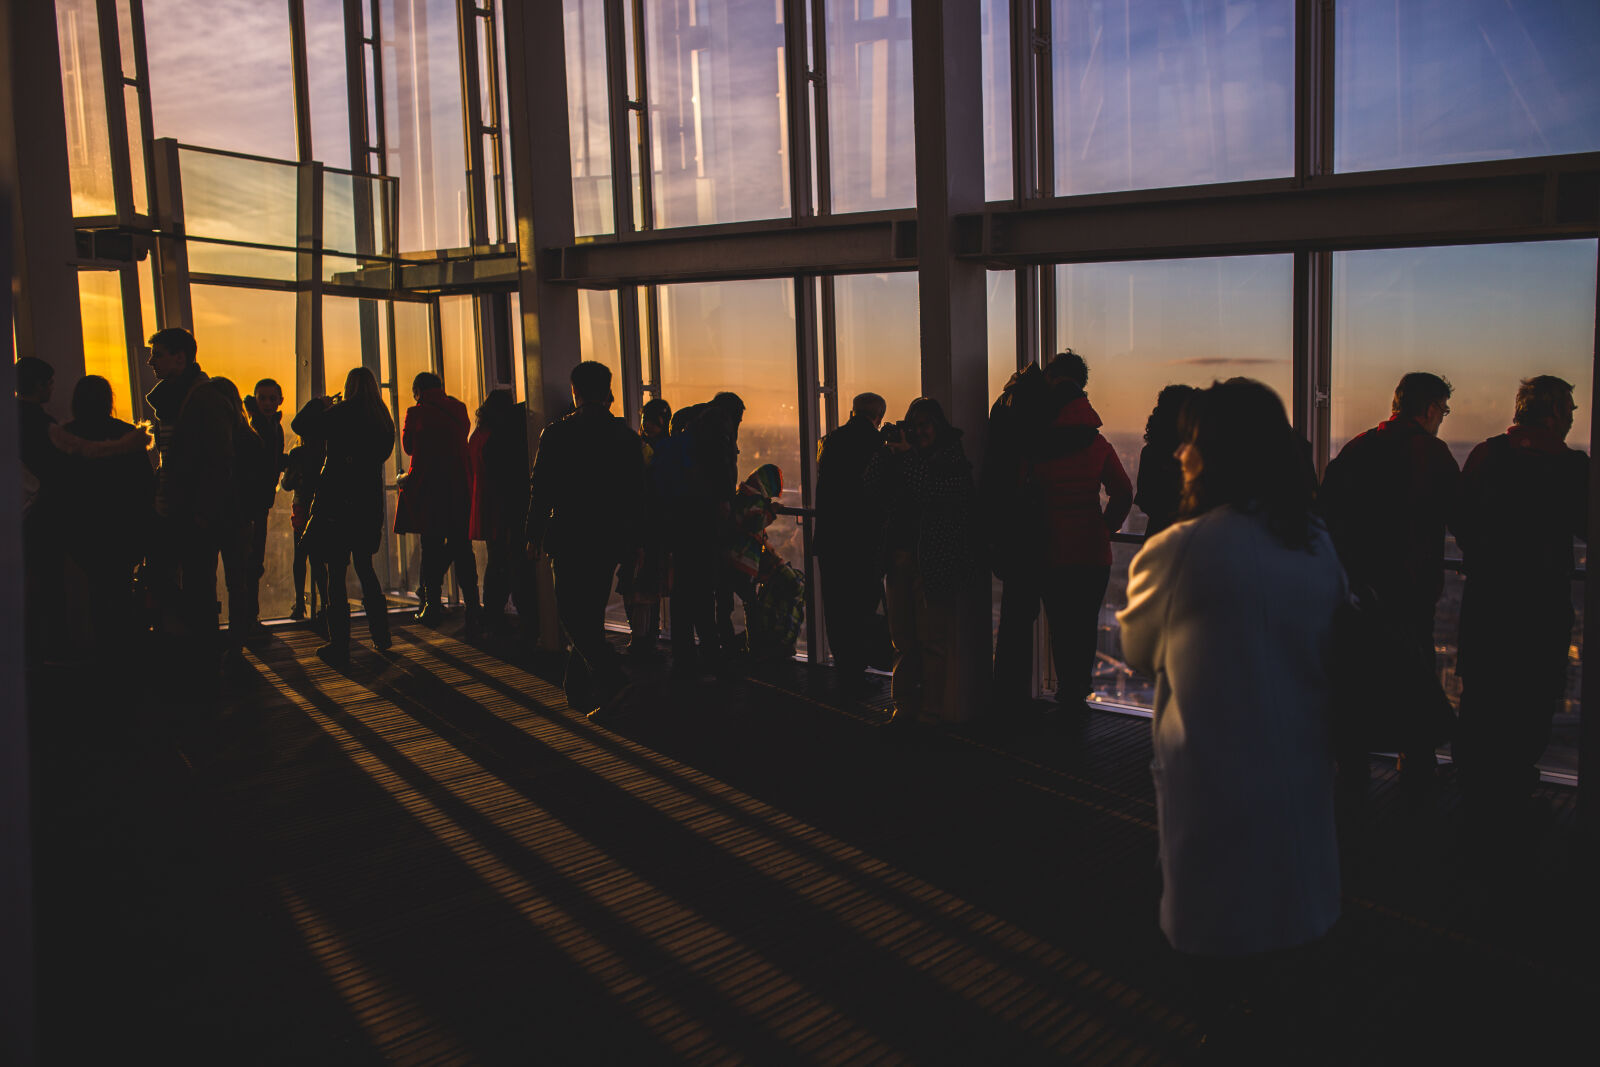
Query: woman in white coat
x=1231, y=611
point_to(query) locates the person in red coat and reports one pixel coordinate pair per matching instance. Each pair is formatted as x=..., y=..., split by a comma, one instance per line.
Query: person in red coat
x=436, y=495
x=1063, y=463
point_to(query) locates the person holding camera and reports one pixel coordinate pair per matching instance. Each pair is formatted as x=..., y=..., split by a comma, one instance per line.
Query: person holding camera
x=845, y=539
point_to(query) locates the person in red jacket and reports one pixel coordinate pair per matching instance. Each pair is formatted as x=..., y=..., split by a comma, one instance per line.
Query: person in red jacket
x=436, y=495
x=1064, y=464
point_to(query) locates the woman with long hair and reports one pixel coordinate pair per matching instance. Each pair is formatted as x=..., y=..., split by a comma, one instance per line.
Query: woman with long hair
x=498, y=449
x=249, y=471
x=1231, y=610
x=346, y=522
x=1160, y=475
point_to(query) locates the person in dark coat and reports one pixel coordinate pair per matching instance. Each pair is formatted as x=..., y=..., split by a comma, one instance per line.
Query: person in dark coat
x=1064, y=464
x=346, y=522
x=585, y=499
x=194, y=481
x=436, y=495
x=706, y=461
x=499, y=450
x=1160, y=485
x=108, y=510
x=301, y=468
x=1524, y=498
x=932, y=558
x=642, y=587
x=1388, y=498
x=249, y=472
x=47, y=451
x=847, y=529
x=264, y=408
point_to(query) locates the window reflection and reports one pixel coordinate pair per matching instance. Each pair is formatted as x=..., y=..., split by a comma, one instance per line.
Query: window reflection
x=83, y=96
x=325, y=70
x=427, y=147
x=1149, y=94
x=1445, y=81
x=1142, y=326
x=220, y=74
x=870, y=136
x=1451, y=311
x=879, y=336
x=997, y=182
x=717, y=107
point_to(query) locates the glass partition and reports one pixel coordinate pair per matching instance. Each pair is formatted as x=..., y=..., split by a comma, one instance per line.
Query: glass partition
x=879, y=349
x=717, y=111
x=358, y=214
x=105, y=339
x=83, y=97
x=1484, y=317
x=588, y=123
x=235, y=198
x=871, y=142
x=1149, y=94
x=1447, y=81
x=220, y=74
x=1142, y=326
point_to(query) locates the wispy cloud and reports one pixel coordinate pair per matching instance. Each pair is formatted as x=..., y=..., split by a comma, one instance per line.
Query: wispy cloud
x=1225, y=361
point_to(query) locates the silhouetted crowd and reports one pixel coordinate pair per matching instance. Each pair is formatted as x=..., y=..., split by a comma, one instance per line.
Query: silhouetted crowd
x=1288, y=626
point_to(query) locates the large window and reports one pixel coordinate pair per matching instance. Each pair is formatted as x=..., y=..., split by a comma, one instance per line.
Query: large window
x=1447, y=81
x=588, y=122
x=105, y=340
x=717, y=111
x=1149, y=94
x=870, y=134
x=220, y=74
x=427, y=146
x=878, y=335
x=83, y=96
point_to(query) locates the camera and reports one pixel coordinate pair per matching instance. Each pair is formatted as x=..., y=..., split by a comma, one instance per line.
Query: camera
x=893, y=433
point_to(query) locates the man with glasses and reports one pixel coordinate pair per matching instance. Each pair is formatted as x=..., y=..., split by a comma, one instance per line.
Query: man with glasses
x=1388, y=498
x=1524, y=498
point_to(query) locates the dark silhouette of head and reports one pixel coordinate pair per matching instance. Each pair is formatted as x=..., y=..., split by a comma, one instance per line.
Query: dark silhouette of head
x=655, y=417
x=591, y=384
x=1161, y=428
x=1545, y=397
x=230, y=392
x=731, y=405
x=1067, y=366
x=361, y=390
x=869, y=406
x=172, y=351
x=91, y=399
x=34, y=379
x=1239, y=450
x=1417, y=392
x=425, y=381
x=926, y=425
x=498, y=406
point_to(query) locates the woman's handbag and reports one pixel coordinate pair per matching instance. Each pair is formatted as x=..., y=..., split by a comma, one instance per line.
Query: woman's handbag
x=1386, y=691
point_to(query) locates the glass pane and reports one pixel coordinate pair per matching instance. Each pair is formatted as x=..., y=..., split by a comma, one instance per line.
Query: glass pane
x=413, y=348
x=587, y=119
x=1445, y=81
x=220, y=74
x=341, y=337
x=83, y=96
x=458, y=331
x=362, y=273
x=879, y=340
x=325, y=70
x=1484, y=317
x=1142, y=326
x=599, y=335
x=870, y=137
x=717, y=103
x=996, y=16
x=427, y=149
x=1002, y=329
x=1151, y=94
x=237, y=199
x=105, y=338
x=356, y=213
x=240, y=262
x=740, y=336
x=519, y=358
x=141, y=189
